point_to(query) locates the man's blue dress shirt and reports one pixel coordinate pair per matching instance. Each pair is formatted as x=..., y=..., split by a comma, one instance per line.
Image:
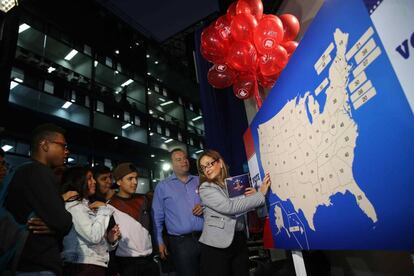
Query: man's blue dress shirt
x=173, y=204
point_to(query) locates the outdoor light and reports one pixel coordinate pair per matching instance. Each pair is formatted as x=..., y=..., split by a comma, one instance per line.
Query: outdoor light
x=71, y=54
x=166, y=167
x=6, y=148
x=13, y=84
x=196, y=118
x=6, y=5
x=23, y=27
x=66, y=105
x=128, y=82
x=166, y=103
x=127, y=125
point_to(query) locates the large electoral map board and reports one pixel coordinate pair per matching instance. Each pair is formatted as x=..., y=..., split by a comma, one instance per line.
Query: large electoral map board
x=336, y=134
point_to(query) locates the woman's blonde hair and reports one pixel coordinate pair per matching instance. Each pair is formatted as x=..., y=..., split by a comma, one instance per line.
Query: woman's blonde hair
x=219, y=180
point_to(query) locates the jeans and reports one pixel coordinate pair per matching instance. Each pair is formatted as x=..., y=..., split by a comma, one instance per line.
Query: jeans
x=185, y=252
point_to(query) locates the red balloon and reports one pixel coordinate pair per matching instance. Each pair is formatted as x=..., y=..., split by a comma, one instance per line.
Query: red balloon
x=253, y=7
x=271, y=64
x=267, y=82
x=291, y=26
x=211, y=56
x=242, y=56
x=242, y=27
x=281, y=56
x=214, y=47
x=222, y=22
x=268, y=65
x=222, y=26
x=243, y=87
x=290, y=46
x=221, y=76
x=268, y=34
x=231, y=11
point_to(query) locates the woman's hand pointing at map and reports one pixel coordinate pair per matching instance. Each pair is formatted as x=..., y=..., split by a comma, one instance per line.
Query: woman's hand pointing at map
x=266, y=184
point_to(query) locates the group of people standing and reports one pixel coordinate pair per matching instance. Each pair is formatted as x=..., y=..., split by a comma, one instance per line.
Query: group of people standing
x=97, y=231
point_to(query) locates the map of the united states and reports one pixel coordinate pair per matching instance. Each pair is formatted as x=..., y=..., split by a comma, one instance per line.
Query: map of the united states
x=309, y=151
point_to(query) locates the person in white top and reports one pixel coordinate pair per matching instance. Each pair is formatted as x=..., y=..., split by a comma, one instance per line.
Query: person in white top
x=86, y=247
x=132, y=213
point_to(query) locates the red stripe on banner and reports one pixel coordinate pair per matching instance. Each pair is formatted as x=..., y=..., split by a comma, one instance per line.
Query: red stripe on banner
x=268, y=241
x=248, y=143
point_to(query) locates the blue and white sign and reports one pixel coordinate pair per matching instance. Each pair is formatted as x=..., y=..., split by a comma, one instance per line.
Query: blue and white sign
x=336, y=134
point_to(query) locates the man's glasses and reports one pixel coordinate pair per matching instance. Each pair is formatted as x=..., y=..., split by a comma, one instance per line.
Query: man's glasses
x=208, y=165
x=64, y=145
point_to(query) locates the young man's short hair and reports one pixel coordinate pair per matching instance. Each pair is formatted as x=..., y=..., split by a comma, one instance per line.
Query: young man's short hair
x=99, y=170
x=45, y=131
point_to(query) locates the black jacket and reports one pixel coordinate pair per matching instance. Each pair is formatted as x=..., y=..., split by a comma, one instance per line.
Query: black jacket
x=33, y=191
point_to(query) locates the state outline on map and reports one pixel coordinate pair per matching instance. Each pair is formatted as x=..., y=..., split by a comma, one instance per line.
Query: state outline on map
x=278, y=209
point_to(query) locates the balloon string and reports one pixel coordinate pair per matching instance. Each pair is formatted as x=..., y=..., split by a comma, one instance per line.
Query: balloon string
x=257, y=95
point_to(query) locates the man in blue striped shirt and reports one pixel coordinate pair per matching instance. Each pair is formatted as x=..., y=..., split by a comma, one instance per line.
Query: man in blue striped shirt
x=177, y=206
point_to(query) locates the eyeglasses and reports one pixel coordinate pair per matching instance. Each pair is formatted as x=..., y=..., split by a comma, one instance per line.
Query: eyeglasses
x=208, y=165
x=64, y=145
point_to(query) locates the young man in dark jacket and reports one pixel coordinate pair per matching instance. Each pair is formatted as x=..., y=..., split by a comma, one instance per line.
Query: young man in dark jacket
x=33, y=198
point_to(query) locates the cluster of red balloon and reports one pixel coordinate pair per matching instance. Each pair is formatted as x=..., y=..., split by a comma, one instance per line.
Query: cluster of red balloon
x=248, y=47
